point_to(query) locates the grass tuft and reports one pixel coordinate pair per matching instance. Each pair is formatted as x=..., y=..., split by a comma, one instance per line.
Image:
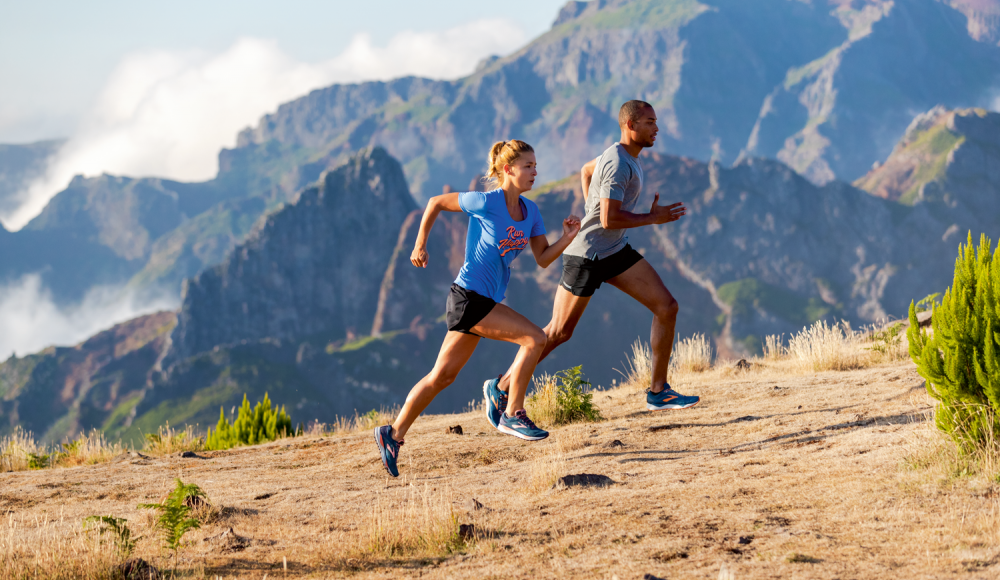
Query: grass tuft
x=420, y=523
x=691, y=355
x=562, y=398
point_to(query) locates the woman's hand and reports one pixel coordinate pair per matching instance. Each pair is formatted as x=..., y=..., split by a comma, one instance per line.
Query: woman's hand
x=419, y=257
x=571, y=226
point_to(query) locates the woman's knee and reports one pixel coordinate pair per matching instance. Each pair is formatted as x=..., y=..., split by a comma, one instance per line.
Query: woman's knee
x=441, y=378
x=535, y=339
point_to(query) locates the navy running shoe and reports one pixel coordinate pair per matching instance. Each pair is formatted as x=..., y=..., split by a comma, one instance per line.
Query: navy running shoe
x=388, y=448
x=669, y=399
x=521, y=426
x=496, y=401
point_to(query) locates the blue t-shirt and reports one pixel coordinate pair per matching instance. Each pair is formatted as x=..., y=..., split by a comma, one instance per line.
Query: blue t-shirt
x=494, y=240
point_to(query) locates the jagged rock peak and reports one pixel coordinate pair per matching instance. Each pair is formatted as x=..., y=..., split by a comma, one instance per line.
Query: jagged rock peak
x=308, y=268
x=941, y=148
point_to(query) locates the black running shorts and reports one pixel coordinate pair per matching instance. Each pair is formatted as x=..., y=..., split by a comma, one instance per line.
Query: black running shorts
x=583, y=276
x=466, y=309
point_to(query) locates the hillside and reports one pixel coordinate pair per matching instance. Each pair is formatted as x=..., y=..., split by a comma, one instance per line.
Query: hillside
x=828, y=87
x=774, y=475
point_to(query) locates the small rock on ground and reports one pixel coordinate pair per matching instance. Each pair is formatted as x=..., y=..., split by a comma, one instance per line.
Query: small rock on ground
x=136, y=569
x=584, y=479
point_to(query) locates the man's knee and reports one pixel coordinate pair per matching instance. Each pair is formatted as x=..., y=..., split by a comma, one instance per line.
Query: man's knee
x=667, y=310
x=559, y=335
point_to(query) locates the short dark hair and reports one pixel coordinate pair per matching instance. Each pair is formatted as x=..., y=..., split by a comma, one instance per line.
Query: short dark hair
x=630, y=111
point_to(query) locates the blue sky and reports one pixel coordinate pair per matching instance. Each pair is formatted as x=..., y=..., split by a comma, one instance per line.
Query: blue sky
x=57, y=56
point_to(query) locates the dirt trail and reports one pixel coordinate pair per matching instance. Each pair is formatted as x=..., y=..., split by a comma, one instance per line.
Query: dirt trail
x=772, y=476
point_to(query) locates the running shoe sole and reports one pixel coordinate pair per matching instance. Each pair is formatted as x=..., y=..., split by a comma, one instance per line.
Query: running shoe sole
x=381, y=454
x=652, y=407
x=518, y=434
x=486, y=398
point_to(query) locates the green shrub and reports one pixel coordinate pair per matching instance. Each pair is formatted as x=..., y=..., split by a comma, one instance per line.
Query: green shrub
x=959, y=359
x=173, y=521
x=263, y=423
x=118, y=529
x=563, y=398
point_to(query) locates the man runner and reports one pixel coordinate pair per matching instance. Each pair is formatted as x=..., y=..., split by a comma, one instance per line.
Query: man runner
x=601, y=253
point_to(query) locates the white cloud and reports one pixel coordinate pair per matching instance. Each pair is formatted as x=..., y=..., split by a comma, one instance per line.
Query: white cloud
x=167, y=114
x=31, y=320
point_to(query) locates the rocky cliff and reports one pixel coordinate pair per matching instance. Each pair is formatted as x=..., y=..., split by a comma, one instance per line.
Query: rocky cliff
x=312, y=268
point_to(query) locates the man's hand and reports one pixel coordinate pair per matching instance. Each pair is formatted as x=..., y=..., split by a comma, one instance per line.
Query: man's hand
x=419, y=257
x=571, y=226
x=666, y=213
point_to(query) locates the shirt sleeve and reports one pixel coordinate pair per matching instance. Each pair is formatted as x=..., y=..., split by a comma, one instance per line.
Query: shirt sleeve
x=537, y=225
x=473, y=203
x=615, y=177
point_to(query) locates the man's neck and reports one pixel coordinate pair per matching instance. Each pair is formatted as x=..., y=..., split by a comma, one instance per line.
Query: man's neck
x=632, y=148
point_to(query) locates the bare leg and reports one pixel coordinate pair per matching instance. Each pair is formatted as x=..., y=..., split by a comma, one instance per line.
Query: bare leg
x=503, y=323
x=566, y=313
x=643, y=283
x=455, y=352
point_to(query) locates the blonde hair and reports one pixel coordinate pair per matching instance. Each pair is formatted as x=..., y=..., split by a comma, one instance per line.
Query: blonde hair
x=504, y=153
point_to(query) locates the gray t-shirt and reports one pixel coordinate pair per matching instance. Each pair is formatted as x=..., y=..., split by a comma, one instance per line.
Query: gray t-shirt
x=617, y=175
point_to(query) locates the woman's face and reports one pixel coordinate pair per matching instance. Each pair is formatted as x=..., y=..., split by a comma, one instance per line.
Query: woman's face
x=521, y=174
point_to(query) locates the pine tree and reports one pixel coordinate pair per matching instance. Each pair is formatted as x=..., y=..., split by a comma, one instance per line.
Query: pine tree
x=252, y=426
x=959, y=360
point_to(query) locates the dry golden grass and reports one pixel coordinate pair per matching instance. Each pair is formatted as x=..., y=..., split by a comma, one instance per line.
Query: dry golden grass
x=638, y=373
x=355, y=424
x=21, y=451
x=168, y=440
x=691, y=355
x=780, y=472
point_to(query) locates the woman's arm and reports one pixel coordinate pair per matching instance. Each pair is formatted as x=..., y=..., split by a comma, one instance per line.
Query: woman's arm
x=544, y=253
x=436, y=204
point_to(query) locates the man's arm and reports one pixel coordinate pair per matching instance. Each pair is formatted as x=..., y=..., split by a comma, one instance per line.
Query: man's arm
x=586, y=175
x=613, y=217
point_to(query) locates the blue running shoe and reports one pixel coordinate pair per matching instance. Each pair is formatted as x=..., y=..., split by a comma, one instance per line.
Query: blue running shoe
x=388, y=448
x=496, y=401
x=521, y=426
x=669, y=399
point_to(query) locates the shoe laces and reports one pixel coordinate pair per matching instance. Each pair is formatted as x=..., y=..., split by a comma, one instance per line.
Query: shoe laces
x=523, y=416
x=503, y=394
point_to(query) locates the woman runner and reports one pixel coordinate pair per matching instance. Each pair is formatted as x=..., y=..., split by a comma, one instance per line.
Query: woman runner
x=501, y=225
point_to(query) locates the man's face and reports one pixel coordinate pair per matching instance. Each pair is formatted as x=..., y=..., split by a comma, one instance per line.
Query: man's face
x=643, y=130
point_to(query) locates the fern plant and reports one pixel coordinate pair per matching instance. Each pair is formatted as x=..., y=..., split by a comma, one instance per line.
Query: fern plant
x=117, y=528
x=960, y=359
x=173, y=521
x=252, y=426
